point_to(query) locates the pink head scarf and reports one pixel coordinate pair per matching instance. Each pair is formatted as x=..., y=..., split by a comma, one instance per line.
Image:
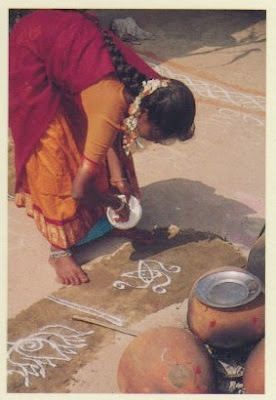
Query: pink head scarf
x=53, y=56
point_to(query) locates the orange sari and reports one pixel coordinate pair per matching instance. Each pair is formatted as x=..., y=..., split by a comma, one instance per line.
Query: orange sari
x=49, y=172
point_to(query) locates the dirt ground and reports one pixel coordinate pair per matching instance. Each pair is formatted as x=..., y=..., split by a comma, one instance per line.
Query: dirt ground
x=212, y=183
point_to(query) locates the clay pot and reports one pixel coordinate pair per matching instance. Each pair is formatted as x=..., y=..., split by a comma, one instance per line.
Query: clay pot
x=226, y=327
x=253, y=376
x=256, y=259
x=165, y=360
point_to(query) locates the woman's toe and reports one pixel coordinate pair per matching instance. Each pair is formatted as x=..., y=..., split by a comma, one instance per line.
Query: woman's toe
x=71, y=280
x=84, y=278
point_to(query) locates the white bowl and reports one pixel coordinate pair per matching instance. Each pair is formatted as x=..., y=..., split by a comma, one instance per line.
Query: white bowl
x=134, y=216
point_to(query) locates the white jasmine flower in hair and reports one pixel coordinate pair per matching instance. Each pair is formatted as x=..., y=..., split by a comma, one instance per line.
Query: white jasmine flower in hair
x=153, y=84
x=149, y=87
x=130, y=123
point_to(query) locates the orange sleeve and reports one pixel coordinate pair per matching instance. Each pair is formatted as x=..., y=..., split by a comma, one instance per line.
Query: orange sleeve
x=105, y=108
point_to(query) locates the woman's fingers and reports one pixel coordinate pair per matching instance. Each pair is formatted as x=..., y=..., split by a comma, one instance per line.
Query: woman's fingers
x=123, y=215
x=124, y=188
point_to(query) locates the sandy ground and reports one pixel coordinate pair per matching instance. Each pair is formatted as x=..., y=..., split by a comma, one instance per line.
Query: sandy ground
x=122, y=290
x=214, y=182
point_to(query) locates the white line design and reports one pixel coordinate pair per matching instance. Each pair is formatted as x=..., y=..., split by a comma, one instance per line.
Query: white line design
x=228, y=116
x=212, y=90
x=31, y=355
x=88, y=310
x=147, y=272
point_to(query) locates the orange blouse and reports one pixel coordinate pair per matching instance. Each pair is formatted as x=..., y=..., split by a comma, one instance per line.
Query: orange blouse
x=105, y=107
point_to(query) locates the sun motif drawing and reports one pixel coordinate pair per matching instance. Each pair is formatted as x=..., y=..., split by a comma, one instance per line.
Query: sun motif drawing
x=30, y=356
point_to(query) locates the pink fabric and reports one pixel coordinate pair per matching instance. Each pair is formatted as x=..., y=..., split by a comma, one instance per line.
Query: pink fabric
x=53, y=56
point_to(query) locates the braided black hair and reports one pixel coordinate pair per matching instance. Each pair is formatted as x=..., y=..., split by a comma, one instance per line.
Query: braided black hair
x=129, y=75
x=170, y=109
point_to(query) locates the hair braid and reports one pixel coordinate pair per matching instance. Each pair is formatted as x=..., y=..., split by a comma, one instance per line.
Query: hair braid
x=130, y=76
x=170, y=109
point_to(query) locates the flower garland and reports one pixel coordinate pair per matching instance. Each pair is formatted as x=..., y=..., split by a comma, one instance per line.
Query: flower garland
x=130, y=123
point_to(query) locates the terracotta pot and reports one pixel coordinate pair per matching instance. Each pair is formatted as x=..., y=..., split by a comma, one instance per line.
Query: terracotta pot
x=253, y=376
x=226, y=327
x=256, y=259
x=165, y=360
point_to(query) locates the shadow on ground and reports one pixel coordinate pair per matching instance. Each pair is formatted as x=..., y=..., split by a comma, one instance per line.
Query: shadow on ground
x=194, y=205
x=190, y=30
x=198, y=211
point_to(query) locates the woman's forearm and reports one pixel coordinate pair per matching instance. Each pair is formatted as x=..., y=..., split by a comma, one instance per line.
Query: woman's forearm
x=80, y=183
x=114, y=165
x=85, y=191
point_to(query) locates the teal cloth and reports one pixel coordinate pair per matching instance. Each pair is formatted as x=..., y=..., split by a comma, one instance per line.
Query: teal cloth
x=102, y=227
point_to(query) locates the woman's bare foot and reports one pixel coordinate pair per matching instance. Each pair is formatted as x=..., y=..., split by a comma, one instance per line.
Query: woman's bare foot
x=68, y=272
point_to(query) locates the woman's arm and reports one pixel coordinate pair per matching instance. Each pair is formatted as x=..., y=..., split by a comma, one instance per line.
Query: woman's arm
x=85, y=191
x=114, y=165
x=117, y=178
x=104, y=107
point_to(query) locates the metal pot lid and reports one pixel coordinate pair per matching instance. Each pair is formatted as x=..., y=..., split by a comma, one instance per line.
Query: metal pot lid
x=227, y=289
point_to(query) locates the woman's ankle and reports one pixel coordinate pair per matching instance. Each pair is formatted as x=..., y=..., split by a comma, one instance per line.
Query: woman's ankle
x=56, y=253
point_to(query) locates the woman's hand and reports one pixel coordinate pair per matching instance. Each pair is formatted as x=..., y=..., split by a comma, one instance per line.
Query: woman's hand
x=122, y=213
x=80, y=183
x=85, y=191
x=83, y=183
x=117, y=179
x=122, y=186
